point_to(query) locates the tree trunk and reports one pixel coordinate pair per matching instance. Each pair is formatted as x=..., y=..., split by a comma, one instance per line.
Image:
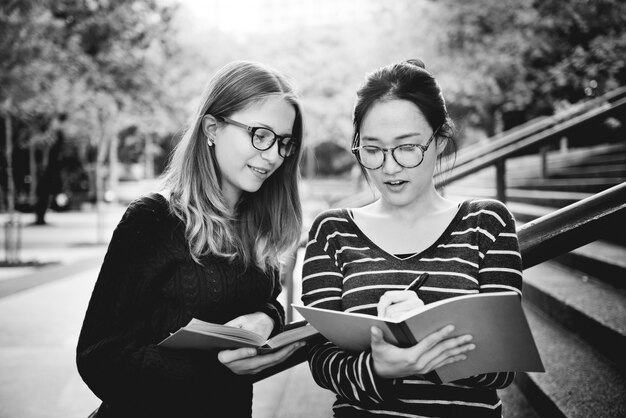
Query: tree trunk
x=12, y=227
x=149, y=157
x=101, y=153
x=8, y=126
x=113, y=166
x=33, y=175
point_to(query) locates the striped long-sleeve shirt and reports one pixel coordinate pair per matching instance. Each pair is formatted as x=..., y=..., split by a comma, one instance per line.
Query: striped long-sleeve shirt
x=344, y=270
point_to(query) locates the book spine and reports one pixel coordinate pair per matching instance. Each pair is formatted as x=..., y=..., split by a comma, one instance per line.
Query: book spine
x=403, y=334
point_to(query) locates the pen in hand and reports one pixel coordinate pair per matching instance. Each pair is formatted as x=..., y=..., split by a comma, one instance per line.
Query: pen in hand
x=396, y=304
x=417, y=283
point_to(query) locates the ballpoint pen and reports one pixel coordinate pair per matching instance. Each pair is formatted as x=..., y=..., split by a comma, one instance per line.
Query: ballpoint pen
x=418, y=282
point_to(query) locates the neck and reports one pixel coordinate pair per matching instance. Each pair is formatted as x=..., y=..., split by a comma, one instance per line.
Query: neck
x=427, y=205
x=231, y=196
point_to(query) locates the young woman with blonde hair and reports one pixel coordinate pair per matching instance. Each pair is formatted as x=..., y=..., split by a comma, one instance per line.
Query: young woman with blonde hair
x=207, y=246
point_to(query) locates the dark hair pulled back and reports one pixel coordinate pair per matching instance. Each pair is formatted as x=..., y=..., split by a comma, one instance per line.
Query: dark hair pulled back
x=407, y=80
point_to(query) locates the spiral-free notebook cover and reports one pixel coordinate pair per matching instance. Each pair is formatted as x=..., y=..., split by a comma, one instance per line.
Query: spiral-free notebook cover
x=496, y=321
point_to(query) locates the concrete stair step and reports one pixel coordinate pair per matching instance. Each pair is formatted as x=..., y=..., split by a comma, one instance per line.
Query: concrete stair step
x=557, y=161
x=586, y=307
x=585, y=185
x=549, y=198
x=612, y=170
x=515, y=404
x=571, y=157
x=603, y=260
x=560, y=158
x=578, y=383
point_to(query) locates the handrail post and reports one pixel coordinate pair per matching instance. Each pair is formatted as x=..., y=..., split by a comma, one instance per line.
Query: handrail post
x=501, y=180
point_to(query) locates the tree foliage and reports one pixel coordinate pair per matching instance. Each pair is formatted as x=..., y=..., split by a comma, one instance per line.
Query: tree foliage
x=97, y=64
x=523, y=59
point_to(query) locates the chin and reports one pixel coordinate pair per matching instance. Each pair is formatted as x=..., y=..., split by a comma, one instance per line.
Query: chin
x=399, y=200
x=251, y=187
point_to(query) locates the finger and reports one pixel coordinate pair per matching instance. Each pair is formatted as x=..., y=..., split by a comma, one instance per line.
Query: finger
x=449, y=357
x=403, y=307
x=228, y=356
x=377, y=338
x=449, y=360
x=431, y=340
x=284, y=353
x=263, y=361
x=393, y=297
x=397, y=296
x=237, y=322
x=441, y=351
x=381, y=307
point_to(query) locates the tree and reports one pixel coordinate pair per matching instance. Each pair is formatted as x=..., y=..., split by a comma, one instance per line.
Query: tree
x=30, y=65
x=517, y=60
x=90, y=60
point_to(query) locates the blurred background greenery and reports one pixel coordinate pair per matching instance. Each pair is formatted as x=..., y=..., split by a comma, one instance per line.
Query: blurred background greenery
x=95, y=93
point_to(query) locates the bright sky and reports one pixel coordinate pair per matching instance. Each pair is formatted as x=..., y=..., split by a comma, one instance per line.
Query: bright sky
x=249, y=17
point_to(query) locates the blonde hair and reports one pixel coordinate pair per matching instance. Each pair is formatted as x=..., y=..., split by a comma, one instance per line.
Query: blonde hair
x=265, y=224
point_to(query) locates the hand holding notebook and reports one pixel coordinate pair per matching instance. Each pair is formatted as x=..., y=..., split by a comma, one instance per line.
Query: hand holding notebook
x=496, y=322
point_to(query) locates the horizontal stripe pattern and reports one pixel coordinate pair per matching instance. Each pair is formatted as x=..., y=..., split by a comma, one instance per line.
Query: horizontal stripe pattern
x=344, y=270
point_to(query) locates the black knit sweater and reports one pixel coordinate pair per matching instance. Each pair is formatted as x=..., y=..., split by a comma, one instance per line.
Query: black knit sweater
x=148, y=287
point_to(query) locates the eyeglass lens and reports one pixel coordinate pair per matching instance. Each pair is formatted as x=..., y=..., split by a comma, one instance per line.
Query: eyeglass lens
x=263, y=139
x=406, y=155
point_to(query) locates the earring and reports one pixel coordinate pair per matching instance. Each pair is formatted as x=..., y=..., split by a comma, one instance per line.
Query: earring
x=209, y=142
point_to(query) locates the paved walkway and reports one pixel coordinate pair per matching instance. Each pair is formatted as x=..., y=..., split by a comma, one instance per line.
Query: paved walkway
x=41, y=312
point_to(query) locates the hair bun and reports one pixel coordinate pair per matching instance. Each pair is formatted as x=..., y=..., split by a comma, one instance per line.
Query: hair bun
x=416, y=62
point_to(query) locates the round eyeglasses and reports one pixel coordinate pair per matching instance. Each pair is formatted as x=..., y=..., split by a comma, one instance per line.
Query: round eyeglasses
x=264, y=138
x=406, y=155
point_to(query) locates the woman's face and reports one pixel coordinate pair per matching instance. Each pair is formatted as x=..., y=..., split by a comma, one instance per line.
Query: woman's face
x=242, y=167
x=388, y=124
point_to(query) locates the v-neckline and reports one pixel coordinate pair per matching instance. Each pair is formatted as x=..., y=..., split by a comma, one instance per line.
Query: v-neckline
x=451, y=226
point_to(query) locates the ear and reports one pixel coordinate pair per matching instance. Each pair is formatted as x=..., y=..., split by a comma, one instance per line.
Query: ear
x=209, y=128
x=441, y=145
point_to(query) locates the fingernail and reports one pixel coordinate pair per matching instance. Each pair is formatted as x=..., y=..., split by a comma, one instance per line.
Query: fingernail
x=471, y=347
x=449, y=329
x=468, y=338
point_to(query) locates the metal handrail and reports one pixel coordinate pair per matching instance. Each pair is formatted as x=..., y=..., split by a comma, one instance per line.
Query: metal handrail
x=540, y=240
x=572, y=226
x=539, y=124
x=470, y=166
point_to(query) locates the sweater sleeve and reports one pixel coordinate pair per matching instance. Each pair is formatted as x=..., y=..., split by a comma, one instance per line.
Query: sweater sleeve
x=499, y=271
x=273, y=308
x=117, y=353
x=348, y=374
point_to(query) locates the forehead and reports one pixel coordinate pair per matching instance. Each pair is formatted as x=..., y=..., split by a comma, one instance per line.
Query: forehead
x=274, y=112
x=392, y=118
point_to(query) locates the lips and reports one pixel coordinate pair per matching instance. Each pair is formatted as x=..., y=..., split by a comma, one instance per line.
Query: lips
x=260, y=171
x=395, y=182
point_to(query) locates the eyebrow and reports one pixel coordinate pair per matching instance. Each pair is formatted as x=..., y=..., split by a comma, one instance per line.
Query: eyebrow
x=263, y=125
x=399, y=137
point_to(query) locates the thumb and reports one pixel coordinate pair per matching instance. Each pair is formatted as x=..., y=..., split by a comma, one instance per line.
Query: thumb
x=237, y=322
x=377, y=336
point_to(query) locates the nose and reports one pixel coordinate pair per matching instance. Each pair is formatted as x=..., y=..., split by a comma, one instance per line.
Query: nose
x=271, y=154
x=390, y=166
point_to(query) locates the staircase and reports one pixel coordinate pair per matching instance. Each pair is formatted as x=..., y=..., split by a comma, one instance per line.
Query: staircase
x=575, y=303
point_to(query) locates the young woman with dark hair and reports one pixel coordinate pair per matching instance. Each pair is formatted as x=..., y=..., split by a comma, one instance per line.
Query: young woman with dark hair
x=362, y=259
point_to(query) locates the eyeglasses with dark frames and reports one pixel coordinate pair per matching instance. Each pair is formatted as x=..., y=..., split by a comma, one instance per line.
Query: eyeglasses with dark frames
x=264, y=138
x=406, y=155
